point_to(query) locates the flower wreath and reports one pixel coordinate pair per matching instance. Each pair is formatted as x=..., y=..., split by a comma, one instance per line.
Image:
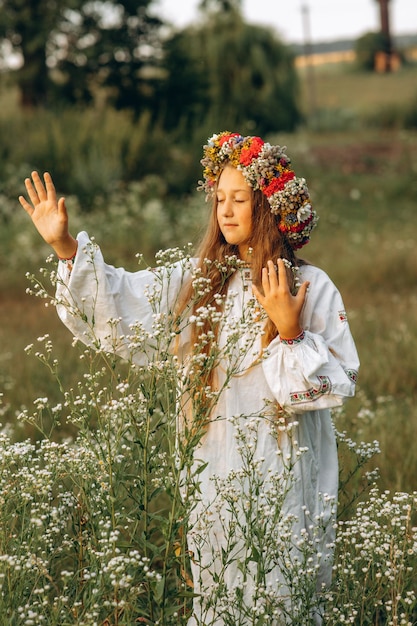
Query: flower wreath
x=267, y=168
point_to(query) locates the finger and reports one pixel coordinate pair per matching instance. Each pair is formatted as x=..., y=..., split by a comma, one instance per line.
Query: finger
x=302, y=291
x=265, y=280
x=269, y=276
x=25, y=204
x=40, y=189
x=273, y=274
x=33, y=196
x=50, y=187
x=282, y=273
x=62, y=210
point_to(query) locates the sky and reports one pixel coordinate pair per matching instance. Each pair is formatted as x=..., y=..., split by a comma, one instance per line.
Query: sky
x=321, y=20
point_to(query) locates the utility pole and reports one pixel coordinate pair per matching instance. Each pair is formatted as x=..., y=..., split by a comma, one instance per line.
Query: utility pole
x=311, y=87
x=384, y=12
x=386, y=32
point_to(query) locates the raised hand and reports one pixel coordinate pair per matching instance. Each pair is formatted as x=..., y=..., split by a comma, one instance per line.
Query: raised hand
x=282, y=307
x=49, y=216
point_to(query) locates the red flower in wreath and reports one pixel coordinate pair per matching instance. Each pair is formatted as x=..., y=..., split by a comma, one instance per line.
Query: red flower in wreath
x=278, y=184
x=226, y=137
x=252, y=151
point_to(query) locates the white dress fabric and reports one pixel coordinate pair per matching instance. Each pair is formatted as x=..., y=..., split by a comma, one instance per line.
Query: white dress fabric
x=300, y=381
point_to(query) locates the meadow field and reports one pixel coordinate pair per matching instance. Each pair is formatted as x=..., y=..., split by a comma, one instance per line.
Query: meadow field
x=361, y=167
x=364, y=185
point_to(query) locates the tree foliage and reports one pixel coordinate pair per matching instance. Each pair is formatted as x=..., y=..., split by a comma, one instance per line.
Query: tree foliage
x=221, y=72
x=117, y=50
x=71, y=48
x=27, y=27
x=220, y=5
x=237, y=75
x=366, y=47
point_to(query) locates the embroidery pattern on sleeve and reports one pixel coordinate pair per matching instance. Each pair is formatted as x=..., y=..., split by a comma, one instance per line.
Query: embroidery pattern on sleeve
x=343, y=316
x=309, y=395
x=352, y=374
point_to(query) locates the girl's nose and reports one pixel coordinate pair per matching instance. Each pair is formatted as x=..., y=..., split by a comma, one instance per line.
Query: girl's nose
x=227, y=207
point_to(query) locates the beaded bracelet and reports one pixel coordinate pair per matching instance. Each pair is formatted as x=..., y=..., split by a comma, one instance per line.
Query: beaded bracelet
x=69, y=262
x=294, y=340
x=70, y=258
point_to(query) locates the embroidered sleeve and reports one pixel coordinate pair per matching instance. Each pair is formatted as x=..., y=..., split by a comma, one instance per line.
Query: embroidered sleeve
x=319, y=368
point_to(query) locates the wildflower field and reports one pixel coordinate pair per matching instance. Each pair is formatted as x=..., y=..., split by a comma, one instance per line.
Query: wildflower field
x=95, y=490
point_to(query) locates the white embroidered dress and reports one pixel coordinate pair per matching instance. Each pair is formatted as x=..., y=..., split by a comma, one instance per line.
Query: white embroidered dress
x=295, y=455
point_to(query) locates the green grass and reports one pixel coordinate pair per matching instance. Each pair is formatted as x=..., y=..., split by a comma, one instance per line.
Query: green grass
x=341, y=86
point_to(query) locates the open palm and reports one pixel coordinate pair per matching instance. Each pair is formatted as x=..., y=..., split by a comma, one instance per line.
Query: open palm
x=49, y=216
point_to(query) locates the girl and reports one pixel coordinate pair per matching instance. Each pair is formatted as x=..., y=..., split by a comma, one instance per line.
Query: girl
x=283, y=356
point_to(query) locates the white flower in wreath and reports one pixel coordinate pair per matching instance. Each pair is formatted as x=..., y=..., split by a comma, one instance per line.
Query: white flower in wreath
x=304, y=212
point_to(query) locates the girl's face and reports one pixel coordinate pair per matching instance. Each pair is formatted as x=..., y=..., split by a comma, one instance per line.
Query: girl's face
x=234, y=209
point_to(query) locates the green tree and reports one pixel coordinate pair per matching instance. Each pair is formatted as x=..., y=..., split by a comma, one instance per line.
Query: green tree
x=366, y=48
x=70, y=48
x=237, y=76
x=220, y=5
x=27, y=26
x=113, y=46
x=184, y=94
